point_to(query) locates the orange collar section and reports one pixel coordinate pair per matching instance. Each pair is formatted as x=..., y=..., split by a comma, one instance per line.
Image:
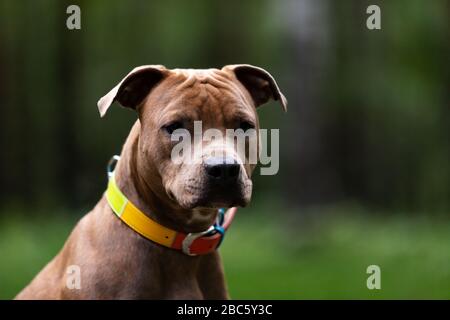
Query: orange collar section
x=191, y=244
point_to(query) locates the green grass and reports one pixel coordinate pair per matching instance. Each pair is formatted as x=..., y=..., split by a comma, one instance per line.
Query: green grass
x=270, y=256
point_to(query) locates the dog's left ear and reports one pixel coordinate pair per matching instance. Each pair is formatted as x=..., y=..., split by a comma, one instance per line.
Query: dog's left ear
x=132, y=89
x=259, y=83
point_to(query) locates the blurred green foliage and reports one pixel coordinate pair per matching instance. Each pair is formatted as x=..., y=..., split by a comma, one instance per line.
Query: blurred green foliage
x=268, y=258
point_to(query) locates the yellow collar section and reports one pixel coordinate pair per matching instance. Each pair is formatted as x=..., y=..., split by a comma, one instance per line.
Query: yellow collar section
x=191, y=244
x=135, y=218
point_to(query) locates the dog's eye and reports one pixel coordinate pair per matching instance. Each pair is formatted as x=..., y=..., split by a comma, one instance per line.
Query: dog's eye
x=170, y=128
x=245, y=125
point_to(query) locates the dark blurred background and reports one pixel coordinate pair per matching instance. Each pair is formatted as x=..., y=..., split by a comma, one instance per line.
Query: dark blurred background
x=364, y=175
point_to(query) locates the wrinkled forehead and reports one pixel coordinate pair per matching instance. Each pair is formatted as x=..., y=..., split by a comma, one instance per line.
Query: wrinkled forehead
x=210, y=95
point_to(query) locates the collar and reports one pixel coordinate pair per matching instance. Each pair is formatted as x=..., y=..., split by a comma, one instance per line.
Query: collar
x=192, y=244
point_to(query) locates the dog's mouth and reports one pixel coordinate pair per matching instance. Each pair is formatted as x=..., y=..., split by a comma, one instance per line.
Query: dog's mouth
x=171, y=195
x=215, y=196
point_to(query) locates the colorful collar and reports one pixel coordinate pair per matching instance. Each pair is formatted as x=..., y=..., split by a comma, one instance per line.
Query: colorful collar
x=192, y=244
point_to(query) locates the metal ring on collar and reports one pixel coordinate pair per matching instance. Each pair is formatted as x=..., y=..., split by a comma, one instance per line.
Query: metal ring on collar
x=190, y=238
x=112, y=165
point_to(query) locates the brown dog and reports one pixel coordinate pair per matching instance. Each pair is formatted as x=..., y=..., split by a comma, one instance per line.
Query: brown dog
x=115, y=262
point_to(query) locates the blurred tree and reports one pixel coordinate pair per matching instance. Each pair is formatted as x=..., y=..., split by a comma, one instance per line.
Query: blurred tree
x=368, y=113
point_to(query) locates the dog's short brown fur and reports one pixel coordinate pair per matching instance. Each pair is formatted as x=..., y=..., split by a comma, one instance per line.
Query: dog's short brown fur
x=115, y=261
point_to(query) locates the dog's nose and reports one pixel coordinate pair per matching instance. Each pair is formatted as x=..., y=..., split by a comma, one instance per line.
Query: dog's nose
x=222, y=168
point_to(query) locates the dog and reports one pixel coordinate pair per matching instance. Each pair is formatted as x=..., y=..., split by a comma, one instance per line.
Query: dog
x=154, y=233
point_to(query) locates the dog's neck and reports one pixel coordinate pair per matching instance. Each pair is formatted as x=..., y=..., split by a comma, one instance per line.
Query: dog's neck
x=151, y=198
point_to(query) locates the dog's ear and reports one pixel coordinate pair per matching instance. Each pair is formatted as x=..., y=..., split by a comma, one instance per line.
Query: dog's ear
x=132, y=89
x=259, y=83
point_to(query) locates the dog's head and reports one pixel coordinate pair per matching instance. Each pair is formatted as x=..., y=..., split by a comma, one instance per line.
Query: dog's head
x=184, y=115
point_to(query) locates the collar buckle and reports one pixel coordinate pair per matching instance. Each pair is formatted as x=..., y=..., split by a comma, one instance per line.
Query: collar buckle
x=112, y=165
x=190, y=238
x=216, y=228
